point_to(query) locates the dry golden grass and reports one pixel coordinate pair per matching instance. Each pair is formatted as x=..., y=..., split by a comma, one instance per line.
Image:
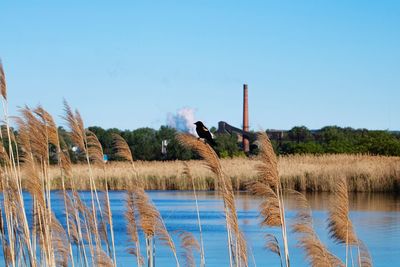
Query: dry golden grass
x=320, y=173
x=301, y=172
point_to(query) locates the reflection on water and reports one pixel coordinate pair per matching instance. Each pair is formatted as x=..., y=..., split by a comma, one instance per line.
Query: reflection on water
x=376, y=218
x=358, y=202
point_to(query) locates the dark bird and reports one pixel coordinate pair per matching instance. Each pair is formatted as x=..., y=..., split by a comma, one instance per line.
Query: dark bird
x=204, y=133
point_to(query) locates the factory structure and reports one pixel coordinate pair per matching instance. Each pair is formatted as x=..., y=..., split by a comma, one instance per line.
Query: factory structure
x=244, y=134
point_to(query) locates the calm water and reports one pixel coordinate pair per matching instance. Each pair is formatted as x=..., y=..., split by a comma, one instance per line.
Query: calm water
x=376, y=219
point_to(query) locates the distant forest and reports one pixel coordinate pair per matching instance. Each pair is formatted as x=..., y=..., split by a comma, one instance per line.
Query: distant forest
x=146, y=142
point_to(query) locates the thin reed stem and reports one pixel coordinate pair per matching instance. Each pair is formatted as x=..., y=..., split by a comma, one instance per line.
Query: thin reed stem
x=202, y=254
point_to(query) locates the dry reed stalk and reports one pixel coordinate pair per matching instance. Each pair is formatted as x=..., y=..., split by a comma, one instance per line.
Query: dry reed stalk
x=102, y=259
x=94, y=149
x=8, y=247
x=136, y=198
x=189, y=244
x=96, y=155
x=123, y=151
x=202, y=253
x=341, y=228
x=339, y=224
x=64, y=164
x=365, y=259
x=269, y=186
x=16, y=220
x=18, y=232
x=105, y=223
x=150, y=219
x=152, y=224
x=236, y=242
x=80, y=224
x=165, y=238
x=272, y=245
x=130, y=216
x=35, y=159
x=3, y=84
x=77, y=132
x=122, y=148
x=269, y=207
x=316, y=252
x=89, y=226
x=2, y=230
x=80, y=139
x=74, y=224
x=59, y=236
x=150, y=251
x=45, y=134
x=74, y=231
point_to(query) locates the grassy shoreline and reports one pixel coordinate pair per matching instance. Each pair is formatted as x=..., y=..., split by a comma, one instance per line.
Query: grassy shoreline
x=364, y=173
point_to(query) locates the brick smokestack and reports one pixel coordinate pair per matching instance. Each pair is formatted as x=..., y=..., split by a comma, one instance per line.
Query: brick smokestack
x=246, y=144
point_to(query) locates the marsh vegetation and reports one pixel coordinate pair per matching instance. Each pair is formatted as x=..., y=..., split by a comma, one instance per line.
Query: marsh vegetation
x=364, y=173
x=85, y=234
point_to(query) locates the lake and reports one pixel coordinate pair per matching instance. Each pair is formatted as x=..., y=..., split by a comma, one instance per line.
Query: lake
x=376, y=218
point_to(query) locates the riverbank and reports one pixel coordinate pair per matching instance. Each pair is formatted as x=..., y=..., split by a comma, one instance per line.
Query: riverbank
x=301, y=172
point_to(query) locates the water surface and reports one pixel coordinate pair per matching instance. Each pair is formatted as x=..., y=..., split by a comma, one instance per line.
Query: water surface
x=376, y=218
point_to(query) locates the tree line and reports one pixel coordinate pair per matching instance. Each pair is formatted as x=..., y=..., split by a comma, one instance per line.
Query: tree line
x=337, y=140
x=146, y=142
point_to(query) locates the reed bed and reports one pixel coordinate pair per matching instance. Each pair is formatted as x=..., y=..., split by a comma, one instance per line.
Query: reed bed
x=363, y=173
x=84, y=236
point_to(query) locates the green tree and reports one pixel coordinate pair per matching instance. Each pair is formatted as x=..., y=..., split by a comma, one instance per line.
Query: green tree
x=227, y=145
x=300, y=134
x=143, y=143
x=174, y=149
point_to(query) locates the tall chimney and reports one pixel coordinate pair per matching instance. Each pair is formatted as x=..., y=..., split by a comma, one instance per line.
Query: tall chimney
x=246, y=144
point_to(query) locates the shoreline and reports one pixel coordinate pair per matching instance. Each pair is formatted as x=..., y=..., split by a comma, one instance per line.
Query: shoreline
x=364, y=173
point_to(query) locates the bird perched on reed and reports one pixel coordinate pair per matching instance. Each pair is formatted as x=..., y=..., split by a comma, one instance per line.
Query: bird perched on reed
x=204, y=133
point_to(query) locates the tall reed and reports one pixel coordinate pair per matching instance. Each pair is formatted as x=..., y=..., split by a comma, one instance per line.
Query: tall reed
x=269, y=188
x=341, y=228
x=89, y=145
x=132, y=228
x=202, y=254
x=316, y=252
x=272, y=244
x=151, y=222
x=18, y=246
x=35, y=163
x=96, y=155
x=189, y=244
x=237, y=245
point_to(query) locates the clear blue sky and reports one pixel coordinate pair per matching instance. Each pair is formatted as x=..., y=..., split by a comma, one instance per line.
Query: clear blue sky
x=127, y=64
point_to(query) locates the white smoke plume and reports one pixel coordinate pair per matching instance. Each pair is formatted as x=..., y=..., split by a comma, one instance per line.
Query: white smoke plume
x=183, y=120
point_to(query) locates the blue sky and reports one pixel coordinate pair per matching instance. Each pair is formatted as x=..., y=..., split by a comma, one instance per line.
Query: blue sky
x=128, y=64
